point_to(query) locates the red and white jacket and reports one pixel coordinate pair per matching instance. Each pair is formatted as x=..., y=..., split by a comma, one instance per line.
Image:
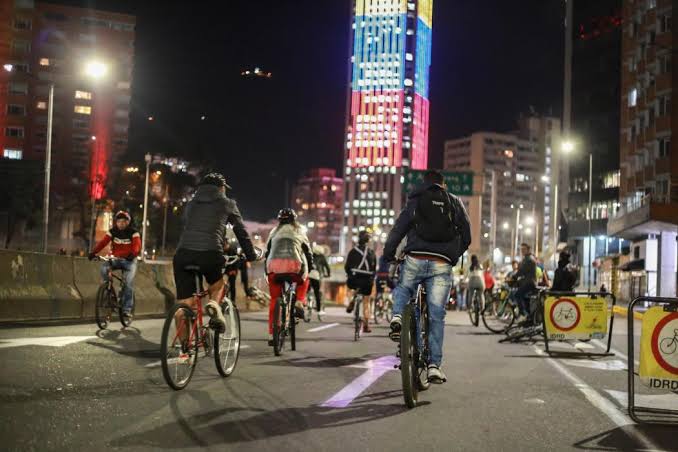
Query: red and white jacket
x=125, y=243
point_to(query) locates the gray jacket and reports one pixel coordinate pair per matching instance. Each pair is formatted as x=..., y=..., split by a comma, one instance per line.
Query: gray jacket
x=288, y=242
x=206, y=217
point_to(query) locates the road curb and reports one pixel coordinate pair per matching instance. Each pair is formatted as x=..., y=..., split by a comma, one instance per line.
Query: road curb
x=625, y=312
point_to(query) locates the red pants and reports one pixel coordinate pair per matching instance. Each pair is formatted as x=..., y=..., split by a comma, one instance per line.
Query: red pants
x=276, y=289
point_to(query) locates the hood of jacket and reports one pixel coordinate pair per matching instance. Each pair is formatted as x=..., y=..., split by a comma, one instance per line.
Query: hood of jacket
x=208, y=193
x=421, y=189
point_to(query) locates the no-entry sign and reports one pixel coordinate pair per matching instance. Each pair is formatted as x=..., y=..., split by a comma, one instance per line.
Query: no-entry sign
x=659, y=349
x=575, y=317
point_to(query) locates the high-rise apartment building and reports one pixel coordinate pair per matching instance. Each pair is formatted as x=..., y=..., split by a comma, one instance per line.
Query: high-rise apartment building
x=46, y=43
x=648, y=191
x=523, y=167
x=318, y=197
x=387, y=124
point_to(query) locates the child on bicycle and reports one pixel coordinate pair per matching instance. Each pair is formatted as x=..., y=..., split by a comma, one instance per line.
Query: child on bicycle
x=125, y=247
x=288, y=252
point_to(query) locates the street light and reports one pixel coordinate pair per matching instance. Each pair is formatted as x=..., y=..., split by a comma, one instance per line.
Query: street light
x=567, y=146
x=95, y=69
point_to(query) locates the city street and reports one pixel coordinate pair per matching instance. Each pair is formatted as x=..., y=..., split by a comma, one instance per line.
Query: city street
x=69, y=388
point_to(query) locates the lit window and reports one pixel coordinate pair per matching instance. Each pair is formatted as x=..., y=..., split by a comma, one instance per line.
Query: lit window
x=41, y=105
x=14, y=154
x=44, y=61
x=633, y=97
x=83, y=109
x=83, y=95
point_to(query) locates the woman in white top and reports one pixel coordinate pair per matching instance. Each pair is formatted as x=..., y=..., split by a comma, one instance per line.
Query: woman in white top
x=476, y=282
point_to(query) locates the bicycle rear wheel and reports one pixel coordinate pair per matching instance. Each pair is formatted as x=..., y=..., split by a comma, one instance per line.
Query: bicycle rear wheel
x=103, y=308
x=388, y=310
x=308, y=309
x=227, y=342
x=179, y=346
x=408, y=358
x=474, y=308
x=127, y=321
x=278, y=327
x=378, y=310
x=498, y=316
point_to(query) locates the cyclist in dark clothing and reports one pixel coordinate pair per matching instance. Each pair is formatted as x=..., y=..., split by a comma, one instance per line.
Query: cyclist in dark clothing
x=203, y=241
x=565, y=277
x=360, y=268
x=322, y=270
x=526, y=279
x=242, y=266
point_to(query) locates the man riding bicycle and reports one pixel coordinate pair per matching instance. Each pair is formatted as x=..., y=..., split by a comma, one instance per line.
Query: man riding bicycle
x=203, y=242
x=526, y=280
x=125, y=247
x=438, y=233
x=322, y=270
x=360, y=267
x=288, y=252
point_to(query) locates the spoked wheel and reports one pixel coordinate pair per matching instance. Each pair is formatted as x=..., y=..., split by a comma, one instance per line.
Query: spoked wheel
x=473, y=310
x=227, y=342
x=179, y=346
x=308, y=309
x=293, y=331
x=104, y=306
x=409, y=371
x=498, y=317
x=358, y=328
x=127, y=321
x=278, y=328
x=378, y=310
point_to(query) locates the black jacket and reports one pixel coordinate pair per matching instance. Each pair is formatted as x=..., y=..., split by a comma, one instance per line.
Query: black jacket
x=321, y=265
x=206, y=218
x=354, y=259
x=404, y=227
x=527, y=272
x=564, y=279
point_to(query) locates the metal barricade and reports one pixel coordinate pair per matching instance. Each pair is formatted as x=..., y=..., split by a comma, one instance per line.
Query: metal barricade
x=575, y=316
x=658, y=357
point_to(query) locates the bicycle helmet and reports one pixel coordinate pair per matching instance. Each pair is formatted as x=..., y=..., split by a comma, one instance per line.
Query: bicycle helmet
x=287, y=215
x=123, y=215
x=216, y=179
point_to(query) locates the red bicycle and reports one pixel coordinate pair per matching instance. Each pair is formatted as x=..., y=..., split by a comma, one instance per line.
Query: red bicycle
x=185, y=334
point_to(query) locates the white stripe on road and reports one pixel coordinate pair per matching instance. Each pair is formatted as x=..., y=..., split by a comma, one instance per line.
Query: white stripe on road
x=615, y=351
x=57, y=341
x=173, y=360
x=603, y=404
x=376, y=368
x=324, y=327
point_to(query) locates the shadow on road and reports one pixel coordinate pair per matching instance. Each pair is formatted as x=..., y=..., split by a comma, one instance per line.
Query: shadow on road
x=128, y=342
x=320, y=362
x=664, y=437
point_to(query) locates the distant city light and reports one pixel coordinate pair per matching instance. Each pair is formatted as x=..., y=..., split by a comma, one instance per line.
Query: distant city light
x=256, y=72
x=8, y=67
x=95, y=69
x=544, y=178
x=505, y=225
x=567, y=146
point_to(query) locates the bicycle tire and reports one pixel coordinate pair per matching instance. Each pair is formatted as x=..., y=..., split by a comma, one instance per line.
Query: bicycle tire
x=293, y=330
x=378, y=310
x=102, y=308
x=422, y=373
x=473, y=309
x=388, y=314
x=126, y=322
x=278, y=328
x=505, y=316
x=308, y=309
x=408, y=352
x=187, y=353
x=225, y=368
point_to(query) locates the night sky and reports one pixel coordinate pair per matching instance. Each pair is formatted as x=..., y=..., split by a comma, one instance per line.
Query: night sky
x=492, y=59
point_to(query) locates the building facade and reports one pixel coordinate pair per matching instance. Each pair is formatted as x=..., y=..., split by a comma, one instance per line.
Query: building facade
x=514, y=187
x=388, y=112
x=648, y=192
x=46, y=43
x=318, y=198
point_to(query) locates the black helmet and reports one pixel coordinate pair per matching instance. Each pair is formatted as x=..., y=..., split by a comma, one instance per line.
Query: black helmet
x=123, y=215
x=364, y=237
x=287, y=215
x=216, y=179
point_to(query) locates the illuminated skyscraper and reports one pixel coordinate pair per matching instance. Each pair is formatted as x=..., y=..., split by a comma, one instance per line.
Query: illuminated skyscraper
x=387, y=124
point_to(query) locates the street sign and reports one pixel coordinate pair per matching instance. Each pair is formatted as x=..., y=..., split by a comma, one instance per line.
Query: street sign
x=659, y=349
x=458, y=183
x=573, y=317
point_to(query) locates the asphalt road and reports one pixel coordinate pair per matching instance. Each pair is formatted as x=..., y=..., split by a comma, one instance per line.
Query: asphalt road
x=69, y=388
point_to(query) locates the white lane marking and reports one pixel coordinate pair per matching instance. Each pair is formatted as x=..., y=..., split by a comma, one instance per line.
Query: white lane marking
x=57, y=341
x=173, y=360
x=583, y=346
x=615, y=351
x=324, y=327
x=603, y=404
x=614, y=364
x=666, y=401
x=375, y=369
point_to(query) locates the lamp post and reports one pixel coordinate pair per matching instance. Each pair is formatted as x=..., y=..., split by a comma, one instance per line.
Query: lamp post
x=147, y=158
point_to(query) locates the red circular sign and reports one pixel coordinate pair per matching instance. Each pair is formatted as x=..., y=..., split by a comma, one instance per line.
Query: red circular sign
x=655, y=344
x=555, y=320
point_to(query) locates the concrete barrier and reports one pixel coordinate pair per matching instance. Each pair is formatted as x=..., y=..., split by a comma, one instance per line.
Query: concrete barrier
x=87, y=279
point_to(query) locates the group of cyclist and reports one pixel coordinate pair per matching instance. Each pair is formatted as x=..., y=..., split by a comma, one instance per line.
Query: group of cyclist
x=430, y=234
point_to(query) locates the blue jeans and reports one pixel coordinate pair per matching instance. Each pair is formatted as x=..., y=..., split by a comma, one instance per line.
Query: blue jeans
x=129, y=269
x=437, y=280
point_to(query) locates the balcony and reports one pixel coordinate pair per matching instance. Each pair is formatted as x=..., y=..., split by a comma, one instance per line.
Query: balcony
x=651, y=214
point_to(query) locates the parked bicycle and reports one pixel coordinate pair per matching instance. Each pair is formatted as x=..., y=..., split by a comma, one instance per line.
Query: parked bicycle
x=184, y=334
x=500, y=311
x=284, y=320
x=109, y=300
x=531, y=327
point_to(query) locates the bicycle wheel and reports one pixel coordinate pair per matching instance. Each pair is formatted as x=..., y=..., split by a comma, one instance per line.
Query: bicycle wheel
x=472, y=310
x=103, y=309
x=388, y=310
x=278, y=327
x=179, y=346
x=497, y=316
x=378, y=309
x=422, y=372
x=308, y=309
x=293, y=331
x=126, y=321
x=227, y=342
x=408, y=362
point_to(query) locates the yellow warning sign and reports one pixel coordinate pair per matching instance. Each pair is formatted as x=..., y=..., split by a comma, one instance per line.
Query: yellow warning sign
x=574, y=317
x=659, y=349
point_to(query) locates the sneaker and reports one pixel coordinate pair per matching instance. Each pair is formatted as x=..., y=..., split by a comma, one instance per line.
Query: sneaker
x=366, y=327
x=270, y=340
x=436, y=375
x=127, y=316
x=396, y=325
x=299, y=310
x=350, y=307
x=214, y=310
x=322, y=312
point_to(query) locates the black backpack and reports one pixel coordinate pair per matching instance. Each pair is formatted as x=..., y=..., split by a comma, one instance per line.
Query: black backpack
x=434, y=216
